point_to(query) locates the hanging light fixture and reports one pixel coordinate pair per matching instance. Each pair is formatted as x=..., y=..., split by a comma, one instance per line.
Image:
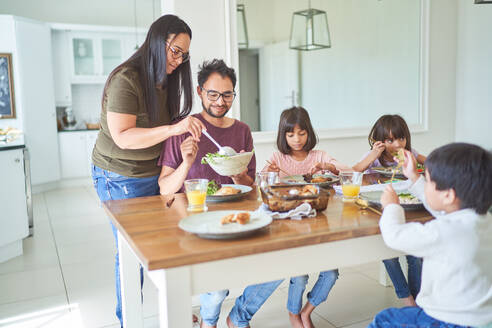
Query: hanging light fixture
x=309, y=30
x=242, y=29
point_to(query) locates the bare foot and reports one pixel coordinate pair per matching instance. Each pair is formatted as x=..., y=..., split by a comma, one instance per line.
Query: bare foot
x=409, y=301
x=295, y=320
x=306, y=315
x=306, y=320
x=230, y=324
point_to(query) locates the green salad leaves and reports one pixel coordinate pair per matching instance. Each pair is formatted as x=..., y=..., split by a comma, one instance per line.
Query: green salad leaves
x=212, y=187
x=211, y=156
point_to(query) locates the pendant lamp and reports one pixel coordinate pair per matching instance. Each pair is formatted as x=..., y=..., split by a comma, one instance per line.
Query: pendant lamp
x=309, y=30
x=242, y=29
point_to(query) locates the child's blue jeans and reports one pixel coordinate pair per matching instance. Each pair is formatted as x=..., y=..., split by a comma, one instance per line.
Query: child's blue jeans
x=408, y=317
x=316, y=296
x=402, y=288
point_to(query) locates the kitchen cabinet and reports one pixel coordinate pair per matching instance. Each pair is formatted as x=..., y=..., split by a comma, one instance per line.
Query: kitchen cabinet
x=94, y=55
x=14, y=224
x=76, y=153
x=61, y=68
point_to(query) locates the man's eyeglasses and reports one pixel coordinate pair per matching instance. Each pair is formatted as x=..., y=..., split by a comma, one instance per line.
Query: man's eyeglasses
x=177, y=53
x=227, y=96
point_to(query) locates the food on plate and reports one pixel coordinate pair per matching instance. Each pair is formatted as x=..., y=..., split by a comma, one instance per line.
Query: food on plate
x=407, y=198
x=400, y=156
x=320, y=179
x=228, y=219
x=212, y=187
x=307, y=177
x=210, y=157
x=241, y=218
x=228, y=190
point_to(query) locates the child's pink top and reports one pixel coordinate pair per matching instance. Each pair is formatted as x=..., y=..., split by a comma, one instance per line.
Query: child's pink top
x=293, y=167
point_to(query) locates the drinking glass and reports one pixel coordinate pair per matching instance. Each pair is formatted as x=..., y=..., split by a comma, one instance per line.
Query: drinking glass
x=265, y=179
x=351, y=182
x=196, y=192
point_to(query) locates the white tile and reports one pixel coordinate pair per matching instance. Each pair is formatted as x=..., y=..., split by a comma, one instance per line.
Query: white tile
x=67, y=233
x=25, y=308
x=96, y=305
x=39, y=209
x=362, y=324
x=355, y=298
x=66, y=203
x=56, y=318
x=88, y=276
x=39, y=252
x=27, y=285
x=71, y=253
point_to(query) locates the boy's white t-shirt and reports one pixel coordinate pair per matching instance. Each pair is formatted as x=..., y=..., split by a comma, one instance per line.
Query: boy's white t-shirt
x=457, y=260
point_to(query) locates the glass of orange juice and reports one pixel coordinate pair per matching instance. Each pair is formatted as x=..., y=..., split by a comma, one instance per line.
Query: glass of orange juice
x=196, y=192
x=351, y=182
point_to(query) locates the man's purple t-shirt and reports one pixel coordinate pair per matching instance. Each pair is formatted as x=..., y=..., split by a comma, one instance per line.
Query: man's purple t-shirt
x=238, y=136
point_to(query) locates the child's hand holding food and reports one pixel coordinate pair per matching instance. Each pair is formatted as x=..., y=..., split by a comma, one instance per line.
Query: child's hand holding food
x=273, y=167
x=389, y=196
x=409, y=165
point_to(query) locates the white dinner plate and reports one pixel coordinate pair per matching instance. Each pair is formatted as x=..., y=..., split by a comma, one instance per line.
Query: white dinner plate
x=374, y=197
x=225, y=198
x=207, y=224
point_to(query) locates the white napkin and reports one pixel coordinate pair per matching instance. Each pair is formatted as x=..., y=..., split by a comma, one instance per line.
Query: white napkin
x=400, y=185
x=303, y=210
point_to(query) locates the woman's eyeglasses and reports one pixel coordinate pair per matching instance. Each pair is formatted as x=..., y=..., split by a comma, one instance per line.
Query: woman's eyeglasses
x=177, y=53
x=227, y=96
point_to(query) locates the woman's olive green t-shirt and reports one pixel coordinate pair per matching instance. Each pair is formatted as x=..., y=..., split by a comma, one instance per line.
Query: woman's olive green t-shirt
x=124, y=95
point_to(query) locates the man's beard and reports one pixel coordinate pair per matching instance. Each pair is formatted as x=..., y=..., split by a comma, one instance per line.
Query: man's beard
x=209, y=111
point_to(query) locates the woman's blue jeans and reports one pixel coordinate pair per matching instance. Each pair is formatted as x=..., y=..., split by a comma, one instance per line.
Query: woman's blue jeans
x=409, y=317
x=316, y=296
x=402, y=288
x=246, y=305
x=110, y=186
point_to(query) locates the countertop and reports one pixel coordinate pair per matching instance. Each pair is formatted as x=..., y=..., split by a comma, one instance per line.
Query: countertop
x=15, y=144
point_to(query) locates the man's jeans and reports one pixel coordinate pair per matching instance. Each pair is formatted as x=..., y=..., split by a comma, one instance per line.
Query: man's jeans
x=246, y=305
x=110, y=185
x=402, y=288
x=408, y=317
x=316, y=296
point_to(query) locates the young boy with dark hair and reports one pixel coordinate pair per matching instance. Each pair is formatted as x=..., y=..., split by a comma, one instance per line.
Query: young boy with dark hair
x=456, y=247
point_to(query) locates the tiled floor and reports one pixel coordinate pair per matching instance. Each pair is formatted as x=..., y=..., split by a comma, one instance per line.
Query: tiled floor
x=65, y=277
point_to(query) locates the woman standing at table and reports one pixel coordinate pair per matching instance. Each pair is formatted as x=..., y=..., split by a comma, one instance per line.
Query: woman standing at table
x=141, y=99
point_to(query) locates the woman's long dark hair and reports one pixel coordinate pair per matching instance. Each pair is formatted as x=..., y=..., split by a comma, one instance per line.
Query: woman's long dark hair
x=385, y=126
x=150, y=63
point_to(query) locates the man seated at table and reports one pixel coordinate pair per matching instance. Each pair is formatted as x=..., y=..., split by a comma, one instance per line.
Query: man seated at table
x=181, y=155
x=180, y=160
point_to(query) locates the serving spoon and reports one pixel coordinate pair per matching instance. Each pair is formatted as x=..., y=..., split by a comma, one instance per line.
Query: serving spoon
x=226, y=150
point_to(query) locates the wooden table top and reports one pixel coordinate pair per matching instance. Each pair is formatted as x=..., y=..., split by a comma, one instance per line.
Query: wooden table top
x=151, y=229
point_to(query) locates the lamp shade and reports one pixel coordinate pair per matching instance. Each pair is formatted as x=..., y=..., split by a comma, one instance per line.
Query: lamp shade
x=242, y=29
x=309, y=30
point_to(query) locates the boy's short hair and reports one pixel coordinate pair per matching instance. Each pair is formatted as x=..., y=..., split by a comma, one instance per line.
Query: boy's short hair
x=465, y=168
x=215, y=66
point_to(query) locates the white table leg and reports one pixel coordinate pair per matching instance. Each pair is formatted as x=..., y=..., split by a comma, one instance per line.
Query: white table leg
x=174, y=287
x=131, y=296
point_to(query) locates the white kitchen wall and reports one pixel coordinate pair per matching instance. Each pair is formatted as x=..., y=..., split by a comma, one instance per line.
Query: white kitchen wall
x=209, y=42
x=474, y=74
x=94, y=12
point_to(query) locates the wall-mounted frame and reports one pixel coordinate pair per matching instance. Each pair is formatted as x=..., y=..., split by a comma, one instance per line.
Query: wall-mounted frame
x=7, y=99
x=483, y=2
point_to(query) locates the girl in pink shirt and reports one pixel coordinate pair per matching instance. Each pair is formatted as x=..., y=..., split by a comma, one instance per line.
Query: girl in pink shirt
x=295, y=141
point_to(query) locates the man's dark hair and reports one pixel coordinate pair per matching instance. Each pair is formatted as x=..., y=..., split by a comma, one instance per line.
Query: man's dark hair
x=215, y=66
x=465, y=168
x=288, y=120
